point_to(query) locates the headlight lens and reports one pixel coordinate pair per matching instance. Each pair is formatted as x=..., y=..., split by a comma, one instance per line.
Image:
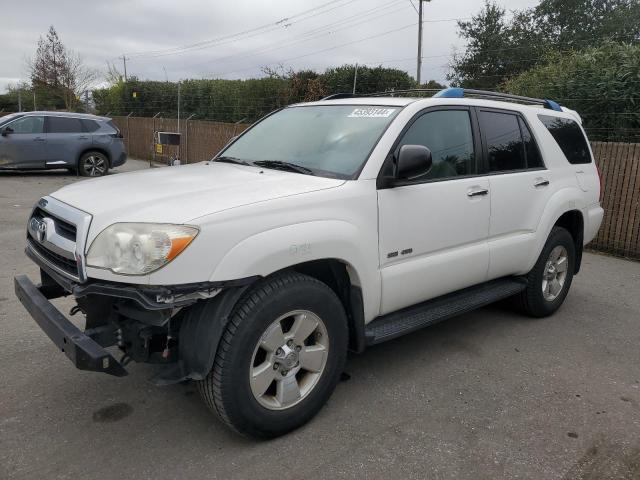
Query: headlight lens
x=138, y=248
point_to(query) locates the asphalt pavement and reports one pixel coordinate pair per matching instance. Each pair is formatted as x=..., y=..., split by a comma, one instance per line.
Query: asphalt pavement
x=488, y=395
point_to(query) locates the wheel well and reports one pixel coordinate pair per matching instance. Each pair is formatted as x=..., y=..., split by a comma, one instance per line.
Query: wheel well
x=574, y=223
x=94, y=149
x=335, y=275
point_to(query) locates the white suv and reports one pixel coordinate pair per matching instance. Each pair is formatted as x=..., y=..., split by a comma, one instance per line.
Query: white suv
x=326, y=226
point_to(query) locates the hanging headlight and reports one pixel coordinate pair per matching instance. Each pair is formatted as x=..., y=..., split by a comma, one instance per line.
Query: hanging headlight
x=138, y=248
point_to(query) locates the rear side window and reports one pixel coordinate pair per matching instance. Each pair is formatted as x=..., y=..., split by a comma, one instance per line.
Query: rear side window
x=534, y=159
x=569, y=138
x=89, y=125
x=505, y=147
x=65, y=125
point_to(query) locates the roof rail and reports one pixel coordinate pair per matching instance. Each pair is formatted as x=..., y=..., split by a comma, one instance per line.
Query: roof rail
x=388, y=93
x=456, y=92
x=336, y=96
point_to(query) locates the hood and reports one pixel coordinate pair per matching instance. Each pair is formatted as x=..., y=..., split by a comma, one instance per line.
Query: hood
x=180, y=194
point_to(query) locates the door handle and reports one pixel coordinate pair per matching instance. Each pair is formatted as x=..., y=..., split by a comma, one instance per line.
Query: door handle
x=38, y=139
x=83, y=138
x=476, y=192
x=541, y=182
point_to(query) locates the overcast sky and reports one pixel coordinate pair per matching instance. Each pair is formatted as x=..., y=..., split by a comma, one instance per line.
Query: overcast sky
x=235, y=39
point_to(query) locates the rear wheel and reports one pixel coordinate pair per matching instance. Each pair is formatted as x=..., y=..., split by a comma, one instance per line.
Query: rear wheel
x=280, y=357
x=550, y=279
x=93, y=164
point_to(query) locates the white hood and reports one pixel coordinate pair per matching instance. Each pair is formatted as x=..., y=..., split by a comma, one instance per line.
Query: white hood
x=181, y=194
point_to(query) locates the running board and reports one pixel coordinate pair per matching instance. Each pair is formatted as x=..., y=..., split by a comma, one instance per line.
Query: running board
x=410, y=319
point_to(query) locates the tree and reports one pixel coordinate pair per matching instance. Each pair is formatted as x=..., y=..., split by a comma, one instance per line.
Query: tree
x=58, y=72
x=499, y=48
x=601, y=83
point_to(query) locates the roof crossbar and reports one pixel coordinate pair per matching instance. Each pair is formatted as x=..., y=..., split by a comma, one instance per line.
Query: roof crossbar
x=456, y=92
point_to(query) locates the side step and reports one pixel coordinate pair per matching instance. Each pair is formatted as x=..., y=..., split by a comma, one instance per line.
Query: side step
x=410, y=319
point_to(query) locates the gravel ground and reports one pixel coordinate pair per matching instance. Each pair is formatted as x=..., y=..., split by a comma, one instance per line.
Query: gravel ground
x=490, y=394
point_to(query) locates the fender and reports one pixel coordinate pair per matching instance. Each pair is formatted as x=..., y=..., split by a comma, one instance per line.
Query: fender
x=275, y=249
x=562, y=201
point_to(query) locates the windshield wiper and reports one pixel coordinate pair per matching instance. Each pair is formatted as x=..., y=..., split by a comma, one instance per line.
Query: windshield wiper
x=280, y=165
x=235, y=160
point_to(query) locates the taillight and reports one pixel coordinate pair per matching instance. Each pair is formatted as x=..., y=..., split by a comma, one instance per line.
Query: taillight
x=118, y=134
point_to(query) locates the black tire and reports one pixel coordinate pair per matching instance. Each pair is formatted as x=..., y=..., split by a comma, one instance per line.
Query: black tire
x=227, y=390
x=532, y=299
x=93, y=164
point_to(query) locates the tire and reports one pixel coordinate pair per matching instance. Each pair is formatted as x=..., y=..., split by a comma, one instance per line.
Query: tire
x=250, y=344
x=542, y=297
x=93, y=164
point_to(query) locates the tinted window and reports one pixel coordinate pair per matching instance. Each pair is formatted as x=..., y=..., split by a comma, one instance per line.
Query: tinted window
x=64, y=125
x=534, y=159
x=569, y=137
x=447, y=133
x=27, y=125
x=504, y=142
x=89, y=125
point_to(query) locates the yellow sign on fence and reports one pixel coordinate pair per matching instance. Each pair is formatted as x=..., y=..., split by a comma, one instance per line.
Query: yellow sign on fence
x=159, y=148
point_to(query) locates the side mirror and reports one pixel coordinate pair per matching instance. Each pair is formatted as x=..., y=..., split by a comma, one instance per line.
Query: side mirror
x=6, y=131
x=413, y=161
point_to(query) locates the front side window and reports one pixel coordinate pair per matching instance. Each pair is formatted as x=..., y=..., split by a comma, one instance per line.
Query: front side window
x=24, y=125
x=328, y=140
x=448, y=134
x=569, y=137
x=64, y=125
x=504, y=141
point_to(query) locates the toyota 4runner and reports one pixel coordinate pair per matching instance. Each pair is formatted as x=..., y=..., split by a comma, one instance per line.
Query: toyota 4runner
x=326, y=226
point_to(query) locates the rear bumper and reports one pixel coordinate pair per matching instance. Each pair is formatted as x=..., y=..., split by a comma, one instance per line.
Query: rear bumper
x=119, y=160
x=83, y=352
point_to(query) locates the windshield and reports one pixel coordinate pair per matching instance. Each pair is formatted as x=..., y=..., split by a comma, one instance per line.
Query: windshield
x=326, y=140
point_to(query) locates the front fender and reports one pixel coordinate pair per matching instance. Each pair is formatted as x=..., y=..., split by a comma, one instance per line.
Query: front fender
x=272, y=250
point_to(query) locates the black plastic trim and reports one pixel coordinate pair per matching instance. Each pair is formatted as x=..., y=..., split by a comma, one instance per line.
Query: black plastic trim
x=83, y=352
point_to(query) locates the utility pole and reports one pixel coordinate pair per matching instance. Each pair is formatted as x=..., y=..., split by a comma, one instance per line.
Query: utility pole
x=178, y=106
x=19, y=99
x=124, y=63
x=419, y=66
x=86, y=101
x=355, y=78
x=34, y=100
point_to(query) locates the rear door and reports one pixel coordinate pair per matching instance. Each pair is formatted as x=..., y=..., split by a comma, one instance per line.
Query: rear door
x=24, y=144
x=66, y=138
x=520, y=188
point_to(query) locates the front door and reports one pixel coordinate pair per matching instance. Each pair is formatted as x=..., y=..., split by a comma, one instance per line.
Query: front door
x=433, y=232
x=23, y=144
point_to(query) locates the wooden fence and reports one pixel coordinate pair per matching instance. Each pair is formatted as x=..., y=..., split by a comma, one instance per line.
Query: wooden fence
x=200, y=139
x=619, y=165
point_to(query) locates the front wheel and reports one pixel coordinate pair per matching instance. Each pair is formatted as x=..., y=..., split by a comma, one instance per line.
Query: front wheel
x=280, y=357
x=550, y=279
x=93, y=164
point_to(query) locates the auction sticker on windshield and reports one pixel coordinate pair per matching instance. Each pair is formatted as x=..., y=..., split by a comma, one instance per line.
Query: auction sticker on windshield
x=372, y=112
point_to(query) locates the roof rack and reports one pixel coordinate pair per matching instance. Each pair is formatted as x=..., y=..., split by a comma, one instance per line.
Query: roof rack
x=456, y=92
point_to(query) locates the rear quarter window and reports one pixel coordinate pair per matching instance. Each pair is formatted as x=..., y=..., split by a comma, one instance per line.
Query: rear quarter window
x=569, y=137
x=89, y=125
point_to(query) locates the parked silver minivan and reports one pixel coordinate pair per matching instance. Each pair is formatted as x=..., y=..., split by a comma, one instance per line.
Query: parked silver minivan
x=88, y=144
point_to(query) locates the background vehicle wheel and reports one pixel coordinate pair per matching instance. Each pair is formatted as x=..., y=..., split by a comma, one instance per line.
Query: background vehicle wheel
x=550, y=279
x=93, y=164
x=280, y=357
